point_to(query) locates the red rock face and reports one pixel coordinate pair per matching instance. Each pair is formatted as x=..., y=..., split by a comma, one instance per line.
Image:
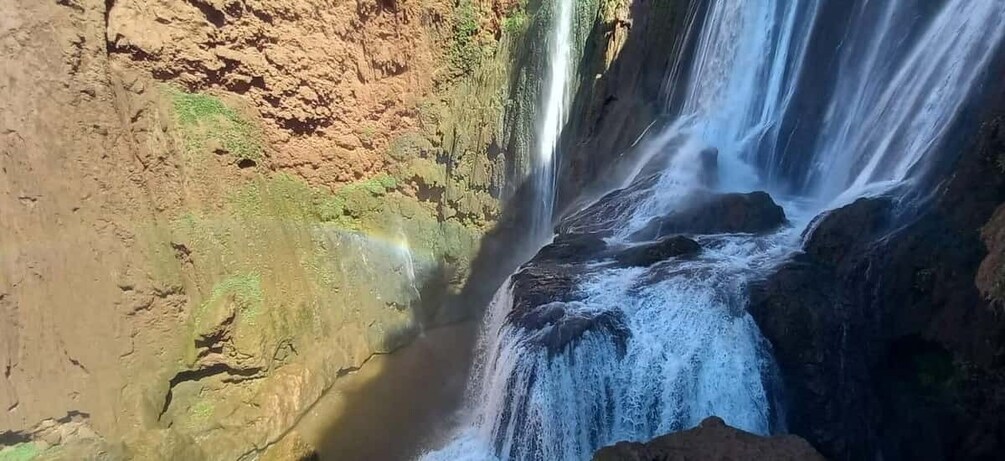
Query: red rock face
x=335, y=82
x=90, y=159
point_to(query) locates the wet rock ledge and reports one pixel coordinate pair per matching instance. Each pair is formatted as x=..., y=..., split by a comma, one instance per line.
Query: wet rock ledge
x=711, y=440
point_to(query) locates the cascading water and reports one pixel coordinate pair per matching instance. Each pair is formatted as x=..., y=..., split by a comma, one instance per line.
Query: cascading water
x=578, y=353
x=556, y=97
x=894, y=102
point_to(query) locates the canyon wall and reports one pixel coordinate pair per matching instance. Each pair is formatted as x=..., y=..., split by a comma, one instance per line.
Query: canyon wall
x=214, y=209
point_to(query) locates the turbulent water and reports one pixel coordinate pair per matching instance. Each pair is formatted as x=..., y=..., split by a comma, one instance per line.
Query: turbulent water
x=692, y=351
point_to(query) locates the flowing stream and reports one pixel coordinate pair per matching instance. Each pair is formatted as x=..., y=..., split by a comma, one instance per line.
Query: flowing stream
x=554, y=106
x=689, y=348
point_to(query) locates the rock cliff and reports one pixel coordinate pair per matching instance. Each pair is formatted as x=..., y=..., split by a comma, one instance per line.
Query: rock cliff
x=214, y=209
x=888, y=327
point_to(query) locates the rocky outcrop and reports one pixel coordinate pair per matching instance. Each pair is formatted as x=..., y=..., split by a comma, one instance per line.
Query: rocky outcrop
x=711, y=440
x=886, y=331
x=730, y=213
x=567, y=248
x=647, y=254
x=546, y=292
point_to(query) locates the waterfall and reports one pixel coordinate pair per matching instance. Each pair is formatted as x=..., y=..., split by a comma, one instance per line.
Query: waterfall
x=629, y=353
x=894, y=103
x=554, y=105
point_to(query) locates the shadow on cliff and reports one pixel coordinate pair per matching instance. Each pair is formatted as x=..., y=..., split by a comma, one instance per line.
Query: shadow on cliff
x=408, y=401
x=404, y=402
x=627, y=87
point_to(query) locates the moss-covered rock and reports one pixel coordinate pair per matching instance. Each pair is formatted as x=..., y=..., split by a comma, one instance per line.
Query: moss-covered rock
x=20, y=452
x=290, y=284
x=208, y=124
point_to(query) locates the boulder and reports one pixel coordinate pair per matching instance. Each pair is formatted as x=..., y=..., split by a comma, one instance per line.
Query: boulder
x=545, y=302
x=570, y=248
x=839, y=234
x=534, y=285
x=647, y=254
x=753, y=212
x=611, y=211
x=712, y=440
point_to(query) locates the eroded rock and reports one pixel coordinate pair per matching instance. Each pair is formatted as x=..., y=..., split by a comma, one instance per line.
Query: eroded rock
x=546, y=303
x=754, y=213
x=712, y=440
x=571, y=248
x=648, y=254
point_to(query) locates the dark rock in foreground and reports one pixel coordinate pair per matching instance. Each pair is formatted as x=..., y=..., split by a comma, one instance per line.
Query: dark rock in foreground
x=753, y=213
x=888, y=345
x=711, y=440
x=569, y=248
x=845, y=231
x=652, y=253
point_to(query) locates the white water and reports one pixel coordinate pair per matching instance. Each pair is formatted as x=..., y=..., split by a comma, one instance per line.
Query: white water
x=888, y=116
x=556, y=100
x=693, y=350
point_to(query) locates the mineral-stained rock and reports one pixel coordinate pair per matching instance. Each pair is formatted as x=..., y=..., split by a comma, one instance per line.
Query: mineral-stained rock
x=189, y=305
x=712, y=440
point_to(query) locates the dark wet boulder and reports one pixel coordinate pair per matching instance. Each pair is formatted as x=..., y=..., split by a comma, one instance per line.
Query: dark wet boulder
x=571, y=248
x=753, y=212
x=712, y=440
x=546, y=304
x=534, y=285
x=647, y=254
x=836, y=236
x=611, y=211
x=558, y=325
